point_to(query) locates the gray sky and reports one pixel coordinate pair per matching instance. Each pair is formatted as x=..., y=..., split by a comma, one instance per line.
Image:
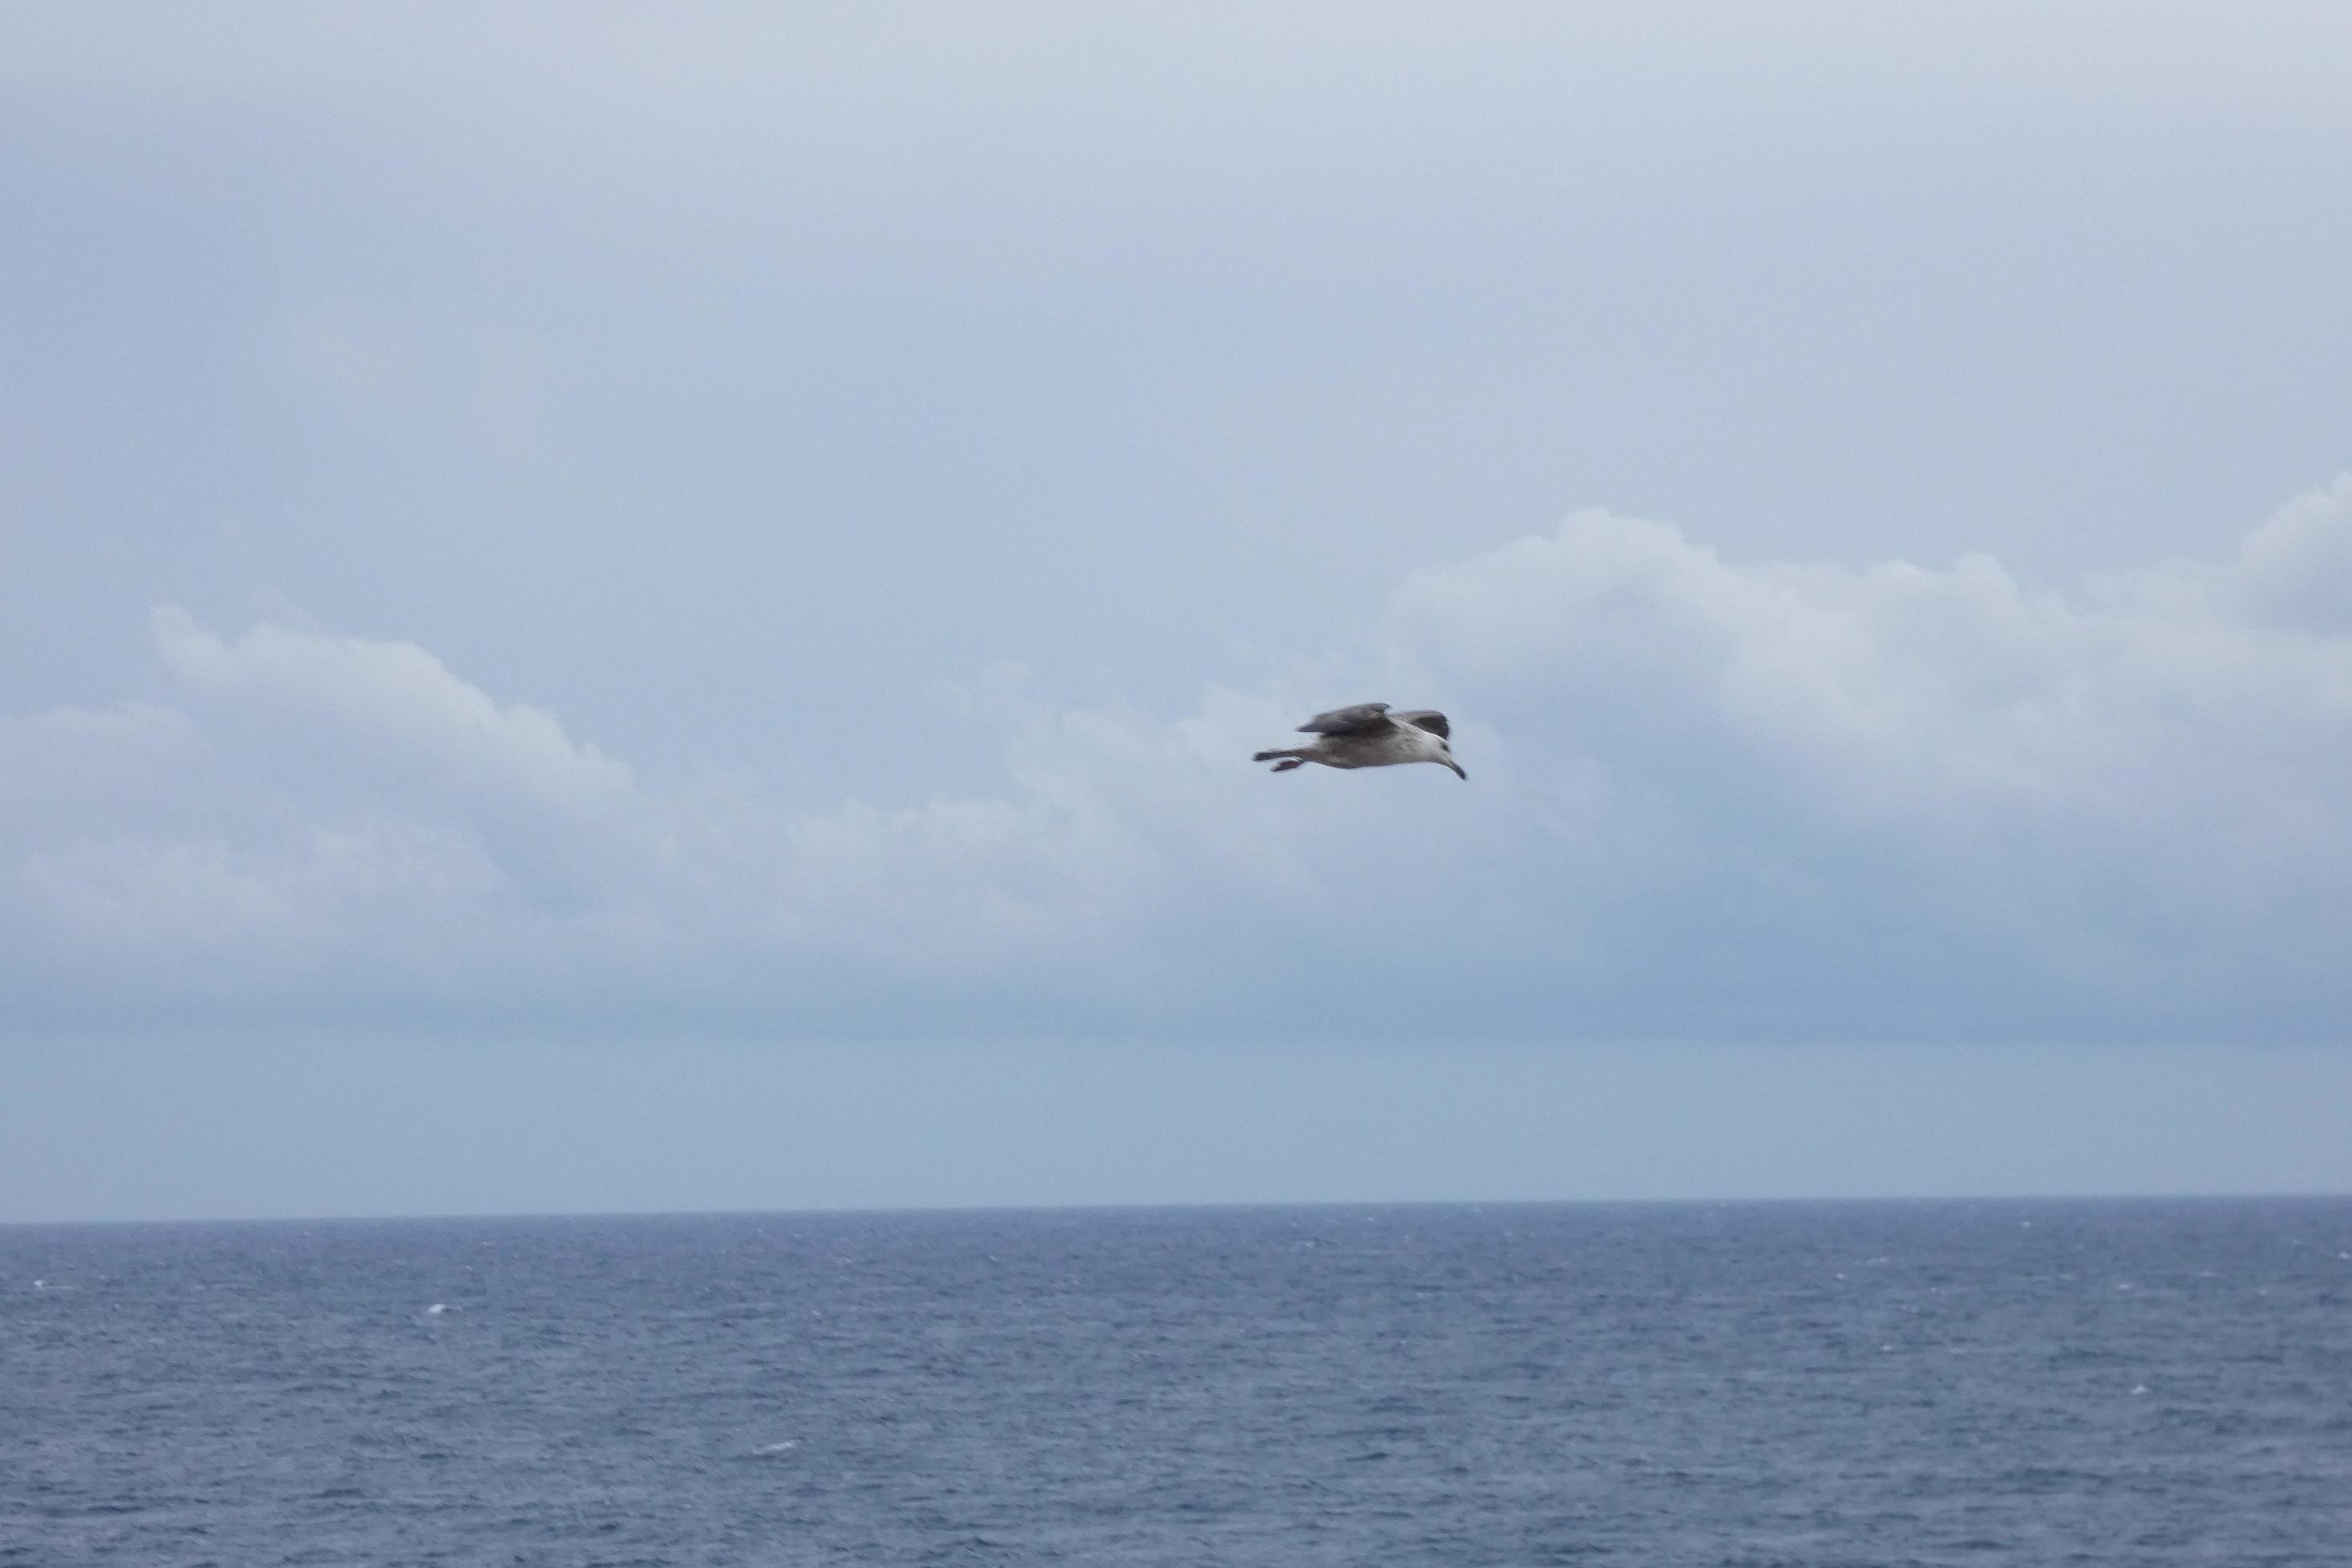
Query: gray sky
x=611, y=610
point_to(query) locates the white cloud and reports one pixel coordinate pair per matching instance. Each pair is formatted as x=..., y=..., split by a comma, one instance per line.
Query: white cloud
x=397, y=695
x=1705, y=797
x=2107, y=806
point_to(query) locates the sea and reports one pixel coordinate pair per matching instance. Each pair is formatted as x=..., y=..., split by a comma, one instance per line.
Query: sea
x=1994, y=1381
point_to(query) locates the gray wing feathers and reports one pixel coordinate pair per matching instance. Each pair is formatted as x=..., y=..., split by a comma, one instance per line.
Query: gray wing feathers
x=1353, y=720
x=1428, y=718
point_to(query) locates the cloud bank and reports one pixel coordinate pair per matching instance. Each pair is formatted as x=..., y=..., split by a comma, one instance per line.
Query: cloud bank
x=1707, y=799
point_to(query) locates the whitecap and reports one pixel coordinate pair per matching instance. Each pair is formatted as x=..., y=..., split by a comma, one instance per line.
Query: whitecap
x=785, y=1447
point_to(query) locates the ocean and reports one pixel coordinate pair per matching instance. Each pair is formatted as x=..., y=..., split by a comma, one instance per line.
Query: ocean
x=1753, y=1384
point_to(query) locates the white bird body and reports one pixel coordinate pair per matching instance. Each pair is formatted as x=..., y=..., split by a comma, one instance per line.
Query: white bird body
x=1368, y=736
x=1397, y=743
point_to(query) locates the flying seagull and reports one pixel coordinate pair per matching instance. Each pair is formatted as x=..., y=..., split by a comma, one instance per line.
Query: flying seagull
x=1368, y=736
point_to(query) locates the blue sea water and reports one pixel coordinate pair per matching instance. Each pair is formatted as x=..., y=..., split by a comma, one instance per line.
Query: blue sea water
x=1879, y=1384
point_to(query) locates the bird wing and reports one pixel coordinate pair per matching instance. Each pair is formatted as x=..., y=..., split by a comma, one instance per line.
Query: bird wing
x=1428, y=718
x=1356, y=721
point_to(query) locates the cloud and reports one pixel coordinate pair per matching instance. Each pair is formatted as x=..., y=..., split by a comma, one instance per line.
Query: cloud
x=1707, y=798
x=398, y=697
x=2121, y=809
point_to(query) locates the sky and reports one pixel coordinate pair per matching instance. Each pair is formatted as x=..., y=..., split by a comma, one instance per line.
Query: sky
x=622, y=609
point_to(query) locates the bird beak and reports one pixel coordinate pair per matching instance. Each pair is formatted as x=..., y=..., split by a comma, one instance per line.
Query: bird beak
x=1457, y=769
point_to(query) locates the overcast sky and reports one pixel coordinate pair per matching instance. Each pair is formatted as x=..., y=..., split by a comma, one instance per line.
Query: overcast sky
x=654, y=609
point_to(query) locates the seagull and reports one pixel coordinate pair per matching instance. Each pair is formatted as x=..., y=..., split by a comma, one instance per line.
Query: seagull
x=1368, y=736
